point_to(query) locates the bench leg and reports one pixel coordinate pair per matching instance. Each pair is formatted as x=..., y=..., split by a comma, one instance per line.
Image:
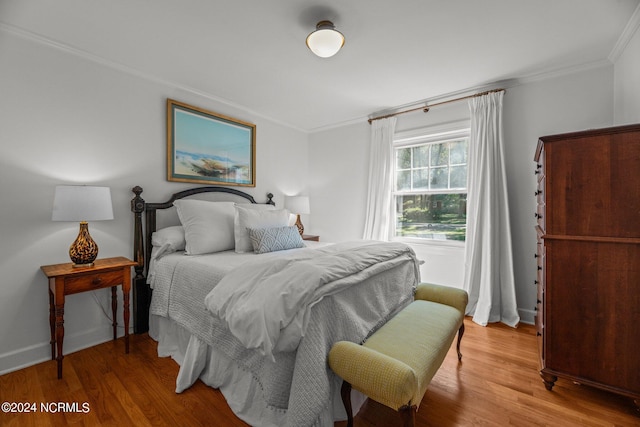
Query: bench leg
x=460, y=333
x=408, y=414
x=345, y=393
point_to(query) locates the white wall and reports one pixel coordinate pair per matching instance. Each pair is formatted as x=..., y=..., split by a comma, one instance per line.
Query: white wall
x=338, y=168
x=562, y=104
x=67, y=119
x=627, y=83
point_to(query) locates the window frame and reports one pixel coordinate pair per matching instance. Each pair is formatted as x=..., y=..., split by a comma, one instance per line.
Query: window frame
x=416, y=137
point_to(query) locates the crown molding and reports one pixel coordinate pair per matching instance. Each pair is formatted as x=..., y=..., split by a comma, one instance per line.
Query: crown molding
x=559, y=72
x=36, y=38
x=504, y=84
x=626, y=36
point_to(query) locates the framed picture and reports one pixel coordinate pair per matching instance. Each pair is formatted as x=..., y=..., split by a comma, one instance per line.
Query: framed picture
x=209, y=148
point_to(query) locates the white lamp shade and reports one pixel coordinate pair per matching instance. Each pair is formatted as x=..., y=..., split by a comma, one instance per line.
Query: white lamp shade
x=326, y=41
x=297, y=204
x=82, y=203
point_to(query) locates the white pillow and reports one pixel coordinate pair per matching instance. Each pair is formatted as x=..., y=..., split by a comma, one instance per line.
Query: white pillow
x=252, y=217
x=208, y=226
x=164, y=241
x=240, y=230
x=168, y=240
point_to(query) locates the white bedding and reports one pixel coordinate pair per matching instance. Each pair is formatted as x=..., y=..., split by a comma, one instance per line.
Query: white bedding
x=296, y=388
x=266, y=304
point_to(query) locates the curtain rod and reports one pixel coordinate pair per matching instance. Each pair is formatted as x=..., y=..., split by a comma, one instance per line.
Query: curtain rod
x=426, y=107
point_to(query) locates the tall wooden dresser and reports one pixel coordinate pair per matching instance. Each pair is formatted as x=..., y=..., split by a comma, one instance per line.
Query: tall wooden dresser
x=588, y=258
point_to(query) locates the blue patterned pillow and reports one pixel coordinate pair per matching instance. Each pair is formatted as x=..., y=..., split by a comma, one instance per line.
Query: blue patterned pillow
x=275, y=239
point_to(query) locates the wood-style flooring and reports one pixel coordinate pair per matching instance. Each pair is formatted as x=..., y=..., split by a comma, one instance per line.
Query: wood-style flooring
x=497, y=384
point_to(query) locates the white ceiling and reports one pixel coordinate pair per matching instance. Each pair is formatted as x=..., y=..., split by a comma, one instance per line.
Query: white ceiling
x=252, y=54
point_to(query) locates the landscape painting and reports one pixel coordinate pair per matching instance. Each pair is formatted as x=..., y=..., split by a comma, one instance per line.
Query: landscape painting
x=209, y=148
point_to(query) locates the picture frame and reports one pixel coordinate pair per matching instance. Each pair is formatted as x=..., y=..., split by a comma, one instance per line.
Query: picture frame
x=209, y=148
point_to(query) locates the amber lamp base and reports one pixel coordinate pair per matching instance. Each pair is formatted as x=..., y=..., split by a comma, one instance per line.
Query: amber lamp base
x=84, y=250
x=299, y=225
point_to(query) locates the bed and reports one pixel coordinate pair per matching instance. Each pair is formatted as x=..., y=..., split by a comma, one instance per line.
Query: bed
x=246, y=306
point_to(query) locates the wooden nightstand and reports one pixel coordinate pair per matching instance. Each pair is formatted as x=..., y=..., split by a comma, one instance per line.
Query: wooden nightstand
x=64, y=280
x=310, y=237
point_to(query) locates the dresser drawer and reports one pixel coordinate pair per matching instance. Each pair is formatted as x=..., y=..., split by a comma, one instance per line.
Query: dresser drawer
x=98, y=280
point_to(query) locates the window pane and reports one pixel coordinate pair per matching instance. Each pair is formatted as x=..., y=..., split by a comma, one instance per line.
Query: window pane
x=439, y=155
x=403, y=180
x=432, y=168
x=435, y=216
x=421, y=156
x=458, y=152
x=403, y=158
x=439, y=178
x=421, y=179
x=458, y=177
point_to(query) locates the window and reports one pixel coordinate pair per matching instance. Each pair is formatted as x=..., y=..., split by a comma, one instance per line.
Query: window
x=431, y=186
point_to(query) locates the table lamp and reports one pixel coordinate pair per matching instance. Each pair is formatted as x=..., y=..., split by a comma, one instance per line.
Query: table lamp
x=82, y=203
x=297, y=205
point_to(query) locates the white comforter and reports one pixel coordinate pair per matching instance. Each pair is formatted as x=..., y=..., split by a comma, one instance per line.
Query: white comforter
x=266, y=305
x=297, y=389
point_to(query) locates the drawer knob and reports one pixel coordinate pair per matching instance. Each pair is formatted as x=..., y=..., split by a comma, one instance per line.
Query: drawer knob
x=97, y=281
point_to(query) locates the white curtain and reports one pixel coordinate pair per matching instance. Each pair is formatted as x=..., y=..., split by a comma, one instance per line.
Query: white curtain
x=489, y=277
x=380, y=211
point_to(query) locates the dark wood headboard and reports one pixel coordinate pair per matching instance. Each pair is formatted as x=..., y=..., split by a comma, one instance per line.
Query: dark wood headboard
x=142, y=243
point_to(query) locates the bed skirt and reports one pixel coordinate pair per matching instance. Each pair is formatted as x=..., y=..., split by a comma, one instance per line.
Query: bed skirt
x=198, y=360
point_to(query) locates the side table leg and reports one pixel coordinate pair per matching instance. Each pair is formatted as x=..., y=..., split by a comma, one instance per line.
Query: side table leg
x=52, y=325
x=125, y=313
x=114, y=309
x=59, y=336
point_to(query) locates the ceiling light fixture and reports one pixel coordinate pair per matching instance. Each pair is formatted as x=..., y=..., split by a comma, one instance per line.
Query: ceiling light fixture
x=325, y=41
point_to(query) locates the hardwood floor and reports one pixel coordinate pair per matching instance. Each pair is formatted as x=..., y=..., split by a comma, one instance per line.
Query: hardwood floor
x=497, y=384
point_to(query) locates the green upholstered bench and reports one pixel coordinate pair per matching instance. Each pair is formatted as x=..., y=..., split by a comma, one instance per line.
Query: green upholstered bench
x=395, y=365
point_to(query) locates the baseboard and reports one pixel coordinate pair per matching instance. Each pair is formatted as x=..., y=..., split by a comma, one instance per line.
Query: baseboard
x=38, y=353
x=527, y=316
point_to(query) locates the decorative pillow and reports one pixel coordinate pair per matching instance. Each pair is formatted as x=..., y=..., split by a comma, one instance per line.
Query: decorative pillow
x=168, y=240
x=275, y=239
x=252, y=217
x=208, y=226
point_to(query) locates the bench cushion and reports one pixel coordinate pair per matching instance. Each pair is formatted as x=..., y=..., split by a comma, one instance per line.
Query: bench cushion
x=414, y=344
x=454, y=297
